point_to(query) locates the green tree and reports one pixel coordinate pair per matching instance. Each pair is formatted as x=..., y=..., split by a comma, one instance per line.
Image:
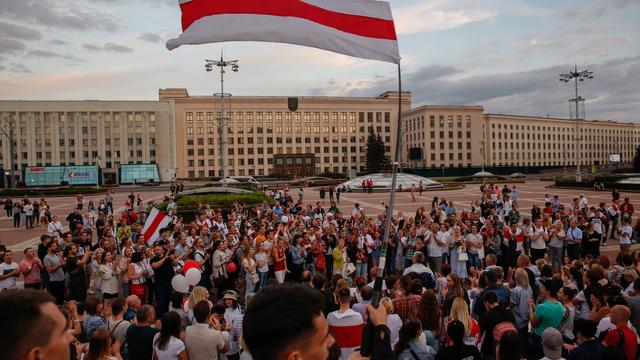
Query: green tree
x=636, y=160
x=375, y=151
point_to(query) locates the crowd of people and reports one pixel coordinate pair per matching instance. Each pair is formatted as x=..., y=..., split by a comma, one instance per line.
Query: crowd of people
x=492, y=282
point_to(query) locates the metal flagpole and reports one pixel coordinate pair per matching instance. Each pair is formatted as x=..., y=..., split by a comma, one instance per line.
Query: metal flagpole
x=367, y=341
x=394, y=179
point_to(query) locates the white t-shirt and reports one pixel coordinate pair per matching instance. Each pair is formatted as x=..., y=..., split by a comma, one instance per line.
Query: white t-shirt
x=262, y=261
x=172, y=351
x=625, y=235
x=436, y=250
x=10, y=282
x=538, y=243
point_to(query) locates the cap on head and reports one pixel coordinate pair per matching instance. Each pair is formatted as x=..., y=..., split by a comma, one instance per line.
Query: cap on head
x=551, y=341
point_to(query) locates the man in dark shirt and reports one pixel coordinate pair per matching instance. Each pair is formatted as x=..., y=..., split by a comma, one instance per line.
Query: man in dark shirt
x=140, y=335
x=162, y=264
x=74, y=218
x=492, y=287
x=494, y=315
x=589, y=348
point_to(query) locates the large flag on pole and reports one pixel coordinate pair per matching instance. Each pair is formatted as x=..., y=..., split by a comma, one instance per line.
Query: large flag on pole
x=155, y=221
x=359, y=28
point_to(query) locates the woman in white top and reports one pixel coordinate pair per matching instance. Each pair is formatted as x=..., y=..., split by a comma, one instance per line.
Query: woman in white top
x=539, y=237
x=137, y=273
x=167, y=344
x=251, y=276
x=124, y=263
x=109, y=272
x=262, y=264
x=101, y=347
x=199, y=293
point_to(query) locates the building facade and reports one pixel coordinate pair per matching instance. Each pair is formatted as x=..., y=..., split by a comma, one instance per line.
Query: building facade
x=449, y=136
x=462, y=136
x=281, y=136
x=103, y=133
x=257, y=128
x=540, y=141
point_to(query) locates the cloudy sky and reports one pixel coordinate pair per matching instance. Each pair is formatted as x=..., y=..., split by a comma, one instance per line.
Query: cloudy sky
x=503, y=54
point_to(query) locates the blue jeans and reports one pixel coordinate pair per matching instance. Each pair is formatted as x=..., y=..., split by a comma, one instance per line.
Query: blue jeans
x=474, y=260
x=263, y=280
x=126, y=290
x=163, y=290
x=249, y=286
x=361, y=269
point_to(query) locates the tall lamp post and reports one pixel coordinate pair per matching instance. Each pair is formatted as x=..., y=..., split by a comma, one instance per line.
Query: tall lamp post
x=222, y=64
x=576, y=76
x=7, y=131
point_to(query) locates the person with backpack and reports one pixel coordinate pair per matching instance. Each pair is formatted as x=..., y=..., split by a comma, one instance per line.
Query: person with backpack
x=495, y=319
x=409, y=346
x=117, y=325
x=622, y=337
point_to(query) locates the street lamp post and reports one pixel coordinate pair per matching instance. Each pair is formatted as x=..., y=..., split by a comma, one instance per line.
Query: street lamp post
x=222, y=64
x=576, y=76
x=9, y=136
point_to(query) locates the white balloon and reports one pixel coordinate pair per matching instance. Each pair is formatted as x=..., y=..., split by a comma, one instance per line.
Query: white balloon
x=193, y=276
x=180, y=284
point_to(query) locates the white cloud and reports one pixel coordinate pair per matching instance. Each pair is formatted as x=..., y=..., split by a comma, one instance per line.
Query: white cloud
x=432, y=16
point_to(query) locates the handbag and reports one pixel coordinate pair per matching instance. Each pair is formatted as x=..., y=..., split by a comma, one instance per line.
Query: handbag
x=350, y=268
x=463, y=256
x=255, y=278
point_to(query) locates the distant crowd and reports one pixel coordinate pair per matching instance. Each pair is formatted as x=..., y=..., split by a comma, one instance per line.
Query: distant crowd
x=491, y=282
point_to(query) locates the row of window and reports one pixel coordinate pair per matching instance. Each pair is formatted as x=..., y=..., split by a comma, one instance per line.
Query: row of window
x=287, y=129
x=270, y=161
x=85, y=154
x=564, y=129
x=419, y=122
x=552, y=155
x=279, y=140
x=248, y=117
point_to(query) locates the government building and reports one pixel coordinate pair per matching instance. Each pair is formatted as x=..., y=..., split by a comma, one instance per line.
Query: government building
x=464, y=136
x=58, y=141
x=257, y=128
x=180, y=137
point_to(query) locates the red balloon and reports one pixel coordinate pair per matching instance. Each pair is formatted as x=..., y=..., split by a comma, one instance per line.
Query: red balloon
x=231, y=267
x=190, y=264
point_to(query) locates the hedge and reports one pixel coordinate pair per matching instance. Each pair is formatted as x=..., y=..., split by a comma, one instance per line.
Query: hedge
x=54, y=191
x=477, y=178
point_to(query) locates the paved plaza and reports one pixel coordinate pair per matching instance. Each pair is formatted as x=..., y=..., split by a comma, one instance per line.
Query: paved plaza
x=529, y=193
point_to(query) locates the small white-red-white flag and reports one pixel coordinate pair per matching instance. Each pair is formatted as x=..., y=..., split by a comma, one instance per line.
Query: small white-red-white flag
x=155, y=221
x=360, y=28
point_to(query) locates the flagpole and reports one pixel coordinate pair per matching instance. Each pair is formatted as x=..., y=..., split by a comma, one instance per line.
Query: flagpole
x=394, y=179
x=367, y=341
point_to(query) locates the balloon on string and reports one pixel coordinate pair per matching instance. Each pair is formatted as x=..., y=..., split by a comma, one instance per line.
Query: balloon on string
x=193, y=276
x=180, y=284
x=231, y=267
x=190, y=264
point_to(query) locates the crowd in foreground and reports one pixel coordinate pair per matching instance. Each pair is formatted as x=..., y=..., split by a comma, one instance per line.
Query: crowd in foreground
x=487, y=283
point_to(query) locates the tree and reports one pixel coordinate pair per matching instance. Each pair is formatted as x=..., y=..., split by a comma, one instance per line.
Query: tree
x=375, y=151
x=636, y=160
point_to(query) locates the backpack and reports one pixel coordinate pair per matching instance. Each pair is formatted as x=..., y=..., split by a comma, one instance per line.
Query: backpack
x=502, y=328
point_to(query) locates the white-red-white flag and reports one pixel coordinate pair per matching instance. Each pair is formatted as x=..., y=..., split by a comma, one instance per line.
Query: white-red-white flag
x=359, y=28
x=155, y=221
